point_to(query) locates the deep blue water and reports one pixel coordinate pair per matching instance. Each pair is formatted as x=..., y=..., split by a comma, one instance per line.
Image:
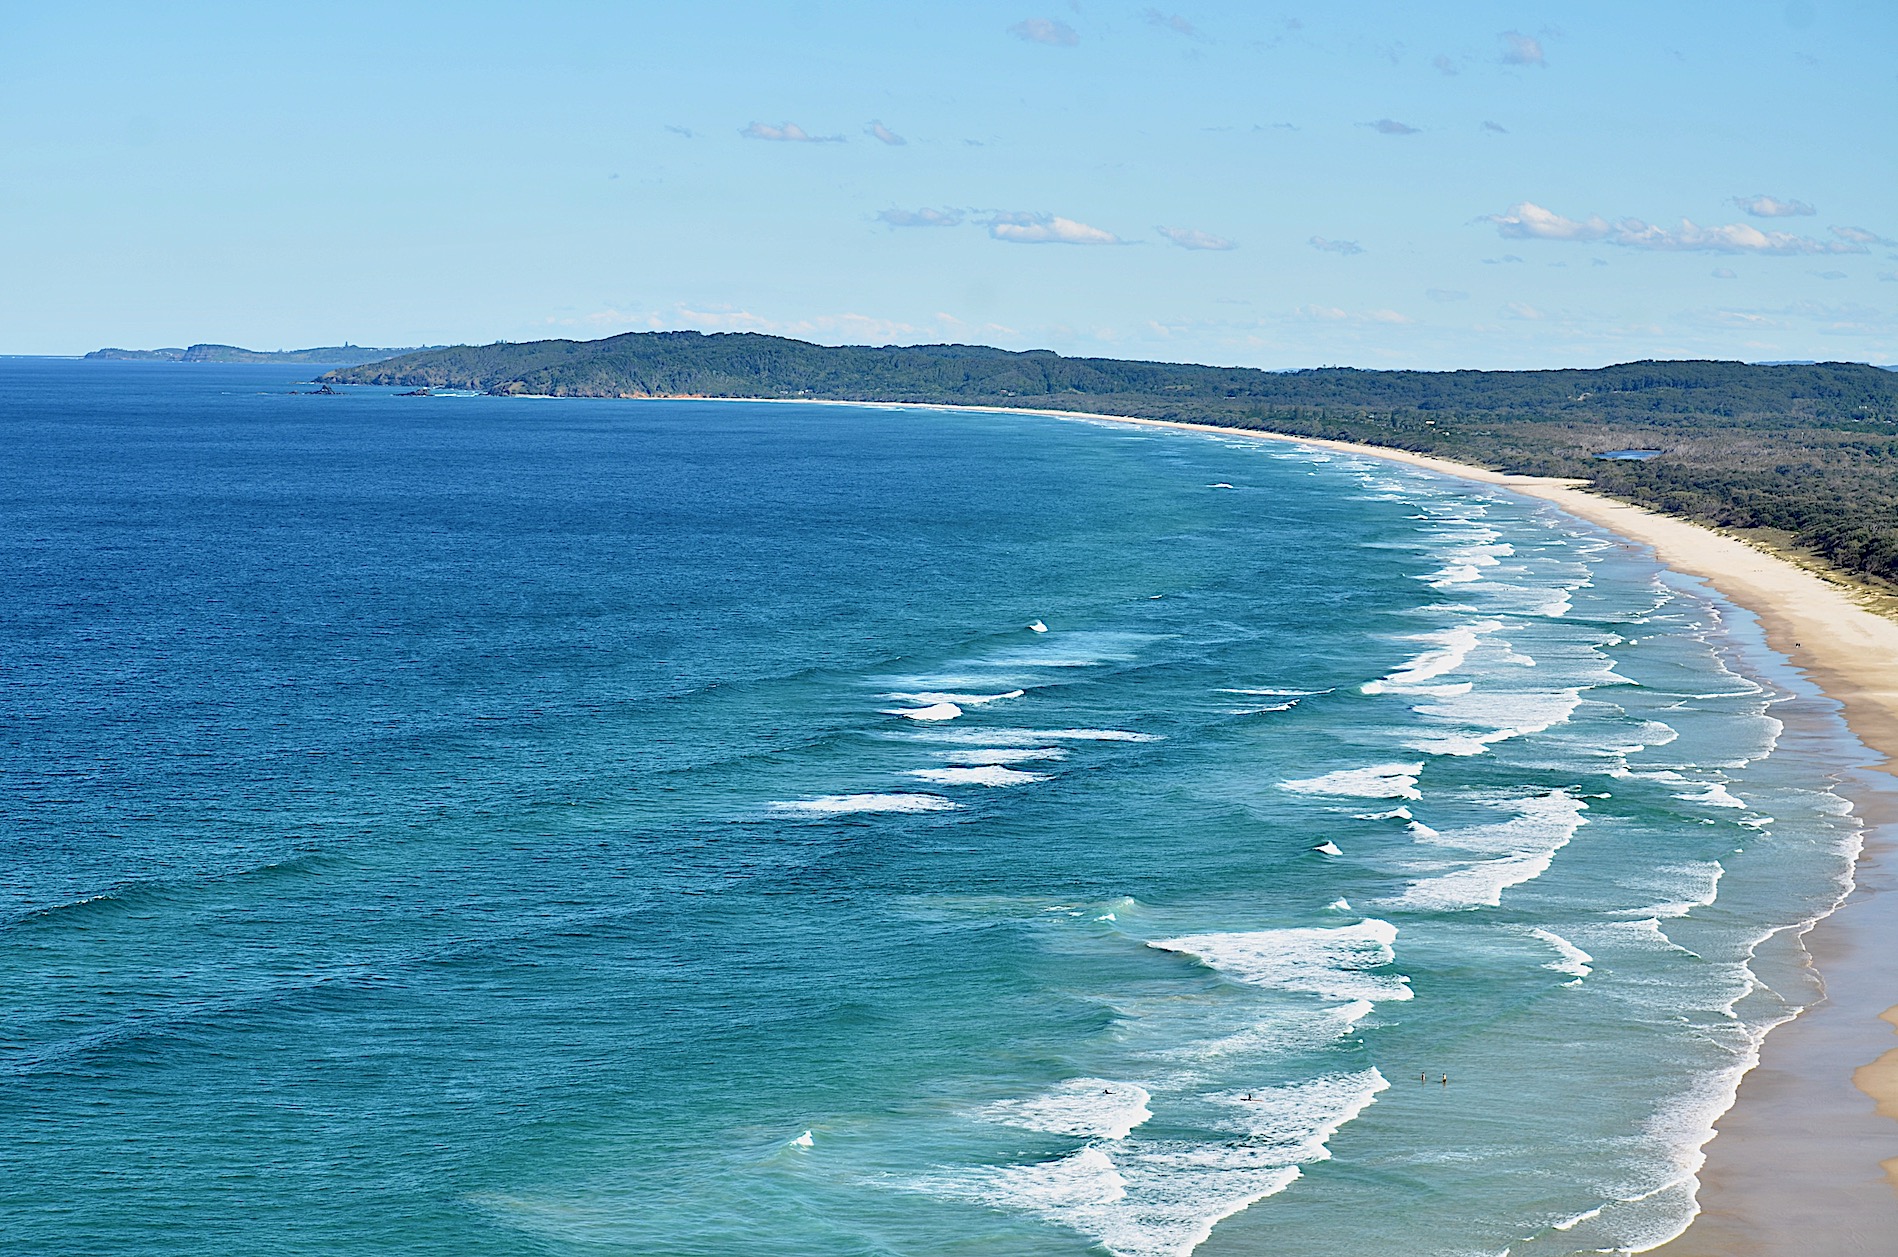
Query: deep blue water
x=472, y=825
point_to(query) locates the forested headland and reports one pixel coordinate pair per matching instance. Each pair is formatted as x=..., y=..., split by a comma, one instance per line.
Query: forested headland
x=1805, y=453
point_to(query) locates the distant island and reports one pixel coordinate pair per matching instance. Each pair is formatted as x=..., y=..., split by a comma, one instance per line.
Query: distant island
x=332, y=355
x=1803, y=457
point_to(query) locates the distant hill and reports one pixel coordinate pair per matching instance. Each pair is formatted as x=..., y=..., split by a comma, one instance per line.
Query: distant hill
x=333, y=355
x=1807, y=454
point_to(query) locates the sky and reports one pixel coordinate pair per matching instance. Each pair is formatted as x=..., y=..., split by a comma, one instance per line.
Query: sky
x=1413, y=185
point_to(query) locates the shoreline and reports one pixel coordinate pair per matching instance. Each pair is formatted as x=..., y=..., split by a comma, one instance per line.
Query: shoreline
x=1809, y=1162
x=1778, y=1184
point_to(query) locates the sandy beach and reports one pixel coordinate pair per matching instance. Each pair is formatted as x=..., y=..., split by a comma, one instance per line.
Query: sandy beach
x=1806, y=1161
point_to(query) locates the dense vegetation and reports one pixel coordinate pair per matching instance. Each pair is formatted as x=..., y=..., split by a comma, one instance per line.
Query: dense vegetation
x=329, y=355
x=1805, y=450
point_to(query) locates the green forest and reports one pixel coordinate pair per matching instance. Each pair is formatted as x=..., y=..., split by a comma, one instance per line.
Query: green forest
x=1807, y=451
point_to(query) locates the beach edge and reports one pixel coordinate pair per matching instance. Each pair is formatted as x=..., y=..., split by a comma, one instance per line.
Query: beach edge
x=1850, y=654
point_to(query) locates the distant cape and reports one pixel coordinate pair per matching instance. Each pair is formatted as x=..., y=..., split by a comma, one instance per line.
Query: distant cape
x=329, y=355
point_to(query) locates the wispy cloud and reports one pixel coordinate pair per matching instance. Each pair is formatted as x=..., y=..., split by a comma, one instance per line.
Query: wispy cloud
x=1521, y=49
x=1858, y=235
x=1444, y=64
x=1522, y=310
x=685, y=131
x=787, y=133
x=1187, y=238
x=1390, y=126
x=1446, y=295
x=1497, y=127
x=881, y=132
x=1724, y=272
x=1763, y=206
x=1171, y=22
x=1020, y=228
x=1046, y=30
x=1346, y=247
x=1526, y=220
x=1333, y=314
x=924, y=217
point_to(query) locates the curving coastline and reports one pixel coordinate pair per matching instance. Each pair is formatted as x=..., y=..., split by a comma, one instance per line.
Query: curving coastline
x=1806, y=1160
x=1795, y=1166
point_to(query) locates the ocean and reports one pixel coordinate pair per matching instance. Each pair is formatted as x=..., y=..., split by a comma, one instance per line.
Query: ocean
x=466, y=825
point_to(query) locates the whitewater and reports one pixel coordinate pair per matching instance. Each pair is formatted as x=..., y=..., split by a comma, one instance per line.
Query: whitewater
x=736, y=827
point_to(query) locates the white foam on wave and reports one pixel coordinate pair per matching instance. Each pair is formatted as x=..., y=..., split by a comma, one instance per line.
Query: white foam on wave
x=1032, y=737
x=1332, y=962
x=1162, y=1198
x=1395, y=814
x=1573, y=960
x=1692, y=885
x=1271, y=693
x=843, y=804
x=1303, y=1030
x=1328, y=847
x=1525, y=847
x=1713, y=794
x=979, y=775
x=934, y=711
x=1162, y=1202
x=1501, y=715
x=1003, y=755
x=1379, y=781
x=1087, y=1108
x=936, y=697
x=1300, y=1119
x=1448, y=648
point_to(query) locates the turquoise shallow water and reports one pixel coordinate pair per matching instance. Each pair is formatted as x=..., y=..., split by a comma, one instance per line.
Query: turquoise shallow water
x=467, y=825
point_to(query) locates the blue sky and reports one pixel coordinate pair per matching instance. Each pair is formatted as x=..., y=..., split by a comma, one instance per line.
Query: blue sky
x=1437, y=186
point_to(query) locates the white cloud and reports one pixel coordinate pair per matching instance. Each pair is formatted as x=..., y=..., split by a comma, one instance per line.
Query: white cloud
x=1046, y=30
x=1763, y=206
x=1187, y=238
x=1690, y=237
x=787, y=132
x=1888, y=277
x=1521, y=49
x=1830, y=274
x=1526, y=220
x=1446, y=294
x=1346, y=247
x=1444, y=64
x=1522, y=310
x=1724, y=272
x=924, y=217
x=1390, y=126
x=1047, y=229
x=881, y=132
x=1858, y=235
x=1332, y=314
